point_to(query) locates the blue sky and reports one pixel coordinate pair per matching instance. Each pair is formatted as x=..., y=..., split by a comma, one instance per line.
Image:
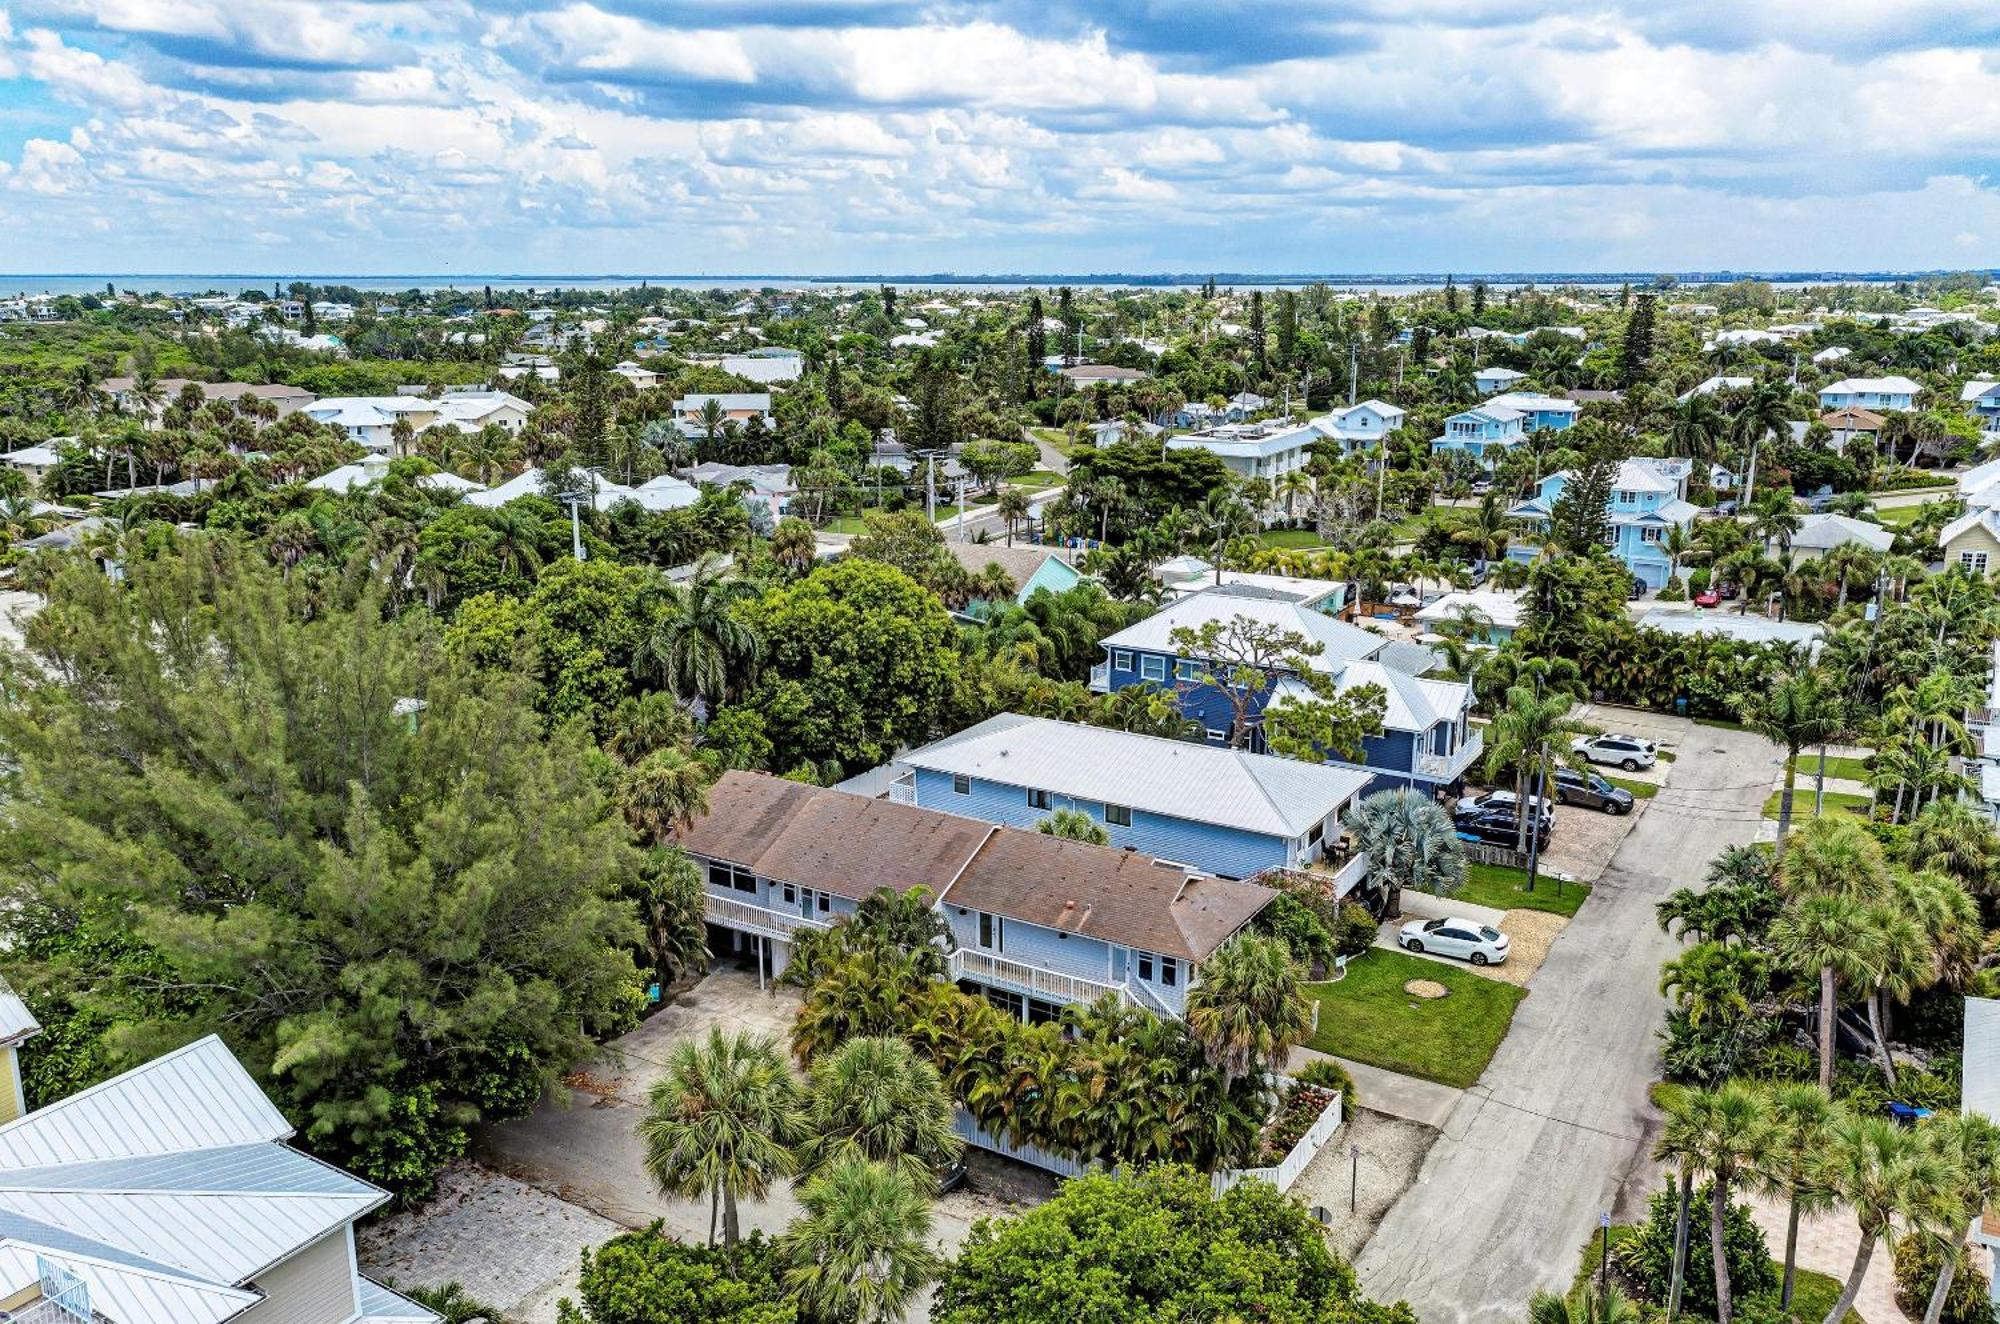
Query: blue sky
x=578, y=136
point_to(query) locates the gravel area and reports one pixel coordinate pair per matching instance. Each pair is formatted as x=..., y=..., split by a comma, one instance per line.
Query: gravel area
x=512, y=1246
x=1584, y=840
x=1529, y=935
x=1391, y=1152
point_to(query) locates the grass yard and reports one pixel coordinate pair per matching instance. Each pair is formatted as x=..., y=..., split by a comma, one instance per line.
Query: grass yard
x=1039, y=480
x=1847, y=769
x=1813, y=1293
x=1289, y=538
x=1368, y=1017
x=1639, y=790
x=1802, y=803
x=1498, y=886
x=846, y=524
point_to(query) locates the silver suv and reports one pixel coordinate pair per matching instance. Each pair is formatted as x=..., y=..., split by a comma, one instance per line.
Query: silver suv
x=1627, y=752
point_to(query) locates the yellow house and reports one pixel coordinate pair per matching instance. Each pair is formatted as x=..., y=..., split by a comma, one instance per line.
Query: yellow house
x=1973, y=541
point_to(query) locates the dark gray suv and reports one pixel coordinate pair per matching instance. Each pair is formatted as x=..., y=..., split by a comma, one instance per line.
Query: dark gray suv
x=1591, y=791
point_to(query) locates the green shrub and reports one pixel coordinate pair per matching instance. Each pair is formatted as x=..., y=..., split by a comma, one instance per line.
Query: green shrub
x=1328, y=1074
x=1917, y=1263
x=640, y=1277
x=1302, y=929
x=1355, y=931
x=1673, y=590
x=1647, y=1257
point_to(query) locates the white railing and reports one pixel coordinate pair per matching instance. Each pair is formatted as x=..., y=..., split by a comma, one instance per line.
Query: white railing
x=1302, y=1154
x=1351, y=875
x=972, y=1133
x=903, y=790
x=1100, y=678
x=1145, y=997
x=752, y=918
x=1444, y=767
x=986, y=968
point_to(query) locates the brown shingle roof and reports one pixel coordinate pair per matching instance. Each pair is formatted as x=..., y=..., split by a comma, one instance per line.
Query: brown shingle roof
x=853, y=846
x=1853, y=418
x=828, y=839
x=1020, y=563
x=1120, y=896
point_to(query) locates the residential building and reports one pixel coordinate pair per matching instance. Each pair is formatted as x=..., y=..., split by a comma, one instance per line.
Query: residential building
x=1180, y=576
x=1032, y=568
x=642, y=379
x=1495, y=613
x=1819, y=534
x=1831, y=354
x=1222, y=811
x=1495, y=379
x=1648, y=498
x=1850, y=423
x=769, y=484
x=657, y=494
x=36, y=461
x=1972, y=541
x=285, y=399
x=737, y=408
x=1714, y=384
x=1427, y=740
x=373, y=467
x=1492, y=427
x=168, y=1195
x=1982, y=400
x=370, y=420
x=771, y=365
x=1254, y=450
x=1096, y=374
x=1037, y=922
x=1362, y=426
x=1743, y=627
x=1877, y=393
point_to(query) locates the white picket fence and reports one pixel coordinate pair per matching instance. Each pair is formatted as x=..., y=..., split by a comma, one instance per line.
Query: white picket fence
x=1034, y=1156
x=1288, y=1169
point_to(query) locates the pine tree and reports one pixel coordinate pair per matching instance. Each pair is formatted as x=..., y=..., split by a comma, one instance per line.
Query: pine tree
x=1581, y=521
x=1071, y=325
x=1450, y=295
x=1625, y=294
x=1038, y=344
x=889, y=302
x=1478, y=297
x=1288, y=329
x=1637, y=348
x=1257, y=331
x=836, y=389
x=1420, y=343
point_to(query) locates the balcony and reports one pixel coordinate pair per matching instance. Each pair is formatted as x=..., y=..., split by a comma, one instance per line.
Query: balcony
x=1100, y=678
x=1346, y=877
x=1448, y=767
x=903, y=790
x=1049, y=985
x=749, y=917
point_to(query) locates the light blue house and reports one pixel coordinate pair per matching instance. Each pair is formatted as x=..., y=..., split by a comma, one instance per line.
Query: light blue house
x=1032, y=568
x=1491, y=428
x=1036, y=922
x=1648, y=498
x=1361, y=427
x=1222, y=811
x=1982, y=400
x=1427, y=741
x=1877, y=393
x=1492, y=380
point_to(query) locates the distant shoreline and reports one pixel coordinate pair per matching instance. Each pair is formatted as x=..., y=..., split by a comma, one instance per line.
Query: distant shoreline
x=557, y=280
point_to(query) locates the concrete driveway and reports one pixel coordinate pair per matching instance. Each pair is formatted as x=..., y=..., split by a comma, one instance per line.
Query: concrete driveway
x=1560, y=1127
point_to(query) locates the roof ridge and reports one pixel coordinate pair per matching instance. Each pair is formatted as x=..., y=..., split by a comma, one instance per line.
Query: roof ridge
x=49, y=1109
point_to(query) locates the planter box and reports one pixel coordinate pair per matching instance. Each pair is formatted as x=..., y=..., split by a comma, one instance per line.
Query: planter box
x=1288, y=1169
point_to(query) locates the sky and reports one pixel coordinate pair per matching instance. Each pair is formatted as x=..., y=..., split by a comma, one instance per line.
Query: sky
x=804, y=137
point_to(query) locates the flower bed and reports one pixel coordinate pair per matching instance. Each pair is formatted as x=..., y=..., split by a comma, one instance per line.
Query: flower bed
x=1301, y=1107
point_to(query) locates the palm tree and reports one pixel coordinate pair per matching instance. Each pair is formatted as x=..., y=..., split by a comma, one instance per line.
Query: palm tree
x=1013, y=507
x=1882, y=1173
x=664, y=792
x=671, y=901
x=1249, y=1008
x=875, y=1099
x=1971, y=1145
x=1956, y=840
x=1802, y=1115
x=1797, y=710
x=720, y=1123
x=1410, y=842
x=1724, y=1134
x=1531, y=738
x=793, y=545
x=1074, y=824
x=1581, y=1307
x=1486, y=535
x=861, y=1251
x=453, y=1304
x=1904, y=962
x=517, y=539
x=698, y=647
x=1826, y=936
x=711, y=418
x=1712, y=979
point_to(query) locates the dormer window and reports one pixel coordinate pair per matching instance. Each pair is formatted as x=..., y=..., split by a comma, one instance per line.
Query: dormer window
x=1627, y=498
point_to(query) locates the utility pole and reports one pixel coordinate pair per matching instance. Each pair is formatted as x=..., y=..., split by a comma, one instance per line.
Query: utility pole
x=1353, y=370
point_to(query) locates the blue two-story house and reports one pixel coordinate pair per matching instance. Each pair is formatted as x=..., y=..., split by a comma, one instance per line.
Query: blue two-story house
x=1223, y=811
x=1036, y=922
x=1878, y=393
x=1427, y=740
x=1648, y=498
x=1492, y=427
x=1982, y=400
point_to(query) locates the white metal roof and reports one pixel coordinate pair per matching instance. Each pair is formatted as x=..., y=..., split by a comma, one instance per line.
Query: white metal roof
x=1976, y=390
x=1531, y=402
x=1414, y=704
x=1828, y=531
x=1177, y=778
x=1342, y=641
x=1500, y=606
x=1872, y=386
x=16, y=1021
x=1979, y=1090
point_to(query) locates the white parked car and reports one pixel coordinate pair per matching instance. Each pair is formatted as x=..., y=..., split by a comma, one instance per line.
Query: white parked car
x=1466, y=939
x=1627, y=752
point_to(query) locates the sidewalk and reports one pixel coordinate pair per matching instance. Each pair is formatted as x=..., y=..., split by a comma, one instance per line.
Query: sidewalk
x=1424, y=1102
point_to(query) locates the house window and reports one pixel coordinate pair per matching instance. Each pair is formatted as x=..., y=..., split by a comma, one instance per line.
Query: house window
x=1118, y=815
x=1170, y=971
x=992, y=933
x=1153, y=668
x=1146, y=965
x=1318, y=834
x=732, y=876
x=1121, y=660
x=1217, y=735
x=825, y=903
x=1627, y=498
x=1186, y=670
x=961, y=784
x=1651, y=534
x=791, y=895
x=1973, y=561
x=1611, y=537
x=1038, y=799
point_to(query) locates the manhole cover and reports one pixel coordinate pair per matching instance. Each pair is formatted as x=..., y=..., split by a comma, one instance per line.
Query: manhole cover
x=1425, y=988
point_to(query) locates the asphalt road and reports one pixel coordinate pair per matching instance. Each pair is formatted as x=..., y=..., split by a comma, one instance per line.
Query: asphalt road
x=1560, y=1126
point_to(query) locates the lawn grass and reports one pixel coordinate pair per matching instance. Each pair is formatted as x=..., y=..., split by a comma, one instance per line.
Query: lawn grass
x=846, y=524
x=1639, y=790
x=1038, y=480
x=1289, y=538
x=1898, y=517
x=1813, y=1293
x=1802, y=803
x=1499, y=886
x=1847, y=769
x=1368, y=1017
x=1722, y=723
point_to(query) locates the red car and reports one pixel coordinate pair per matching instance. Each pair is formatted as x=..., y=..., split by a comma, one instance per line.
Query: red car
x=1708, y=597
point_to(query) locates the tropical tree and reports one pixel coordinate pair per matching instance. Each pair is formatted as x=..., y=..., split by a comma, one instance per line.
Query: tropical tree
x=873, y=1098
x=1249, y=1007
x=793, y=545
x=1582, y=1306
x=697, y=646
x=1410, y=842
x=1826, y=937
x=1013, y=507
x=664, y=792
x=861, y=1251
x=454, y=1305
x=1970, y=1144
x=1794, y=711
x=1725, y=1134
x=1713, y=980
x=1530, y=737
x=1074, y=825
x=1883, y=1173
x=720, y=1123
x=671, y=901
x=1802, y=1115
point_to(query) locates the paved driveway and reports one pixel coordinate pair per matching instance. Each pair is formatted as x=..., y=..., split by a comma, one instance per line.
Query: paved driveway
x=1560, y=1126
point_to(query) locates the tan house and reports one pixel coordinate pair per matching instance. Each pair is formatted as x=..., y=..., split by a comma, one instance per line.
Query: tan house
x=1973, y=541
x=168, y=1195
x=286, y=399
